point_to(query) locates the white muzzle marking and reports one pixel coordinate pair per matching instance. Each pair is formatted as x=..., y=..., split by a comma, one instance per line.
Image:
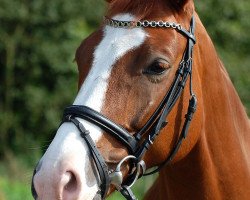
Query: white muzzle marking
x=68, y=148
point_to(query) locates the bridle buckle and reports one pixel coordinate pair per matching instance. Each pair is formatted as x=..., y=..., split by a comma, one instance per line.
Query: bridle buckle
x=116, y=176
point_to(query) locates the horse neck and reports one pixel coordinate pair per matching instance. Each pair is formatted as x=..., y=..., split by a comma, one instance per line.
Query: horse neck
x=218, y=167
x=226, y=128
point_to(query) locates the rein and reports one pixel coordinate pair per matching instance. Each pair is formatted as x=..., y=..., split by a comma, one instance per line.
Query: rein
x=136, y=145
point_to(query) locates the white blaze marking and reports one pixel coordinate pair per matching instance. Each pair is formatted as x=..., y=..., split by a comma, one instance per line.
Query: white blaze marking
x=116, y=43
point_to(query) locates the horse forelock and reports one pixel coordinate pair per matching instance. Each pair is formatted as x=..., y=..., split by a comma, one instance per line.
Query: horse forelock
x=140, y=8
x=144, y=8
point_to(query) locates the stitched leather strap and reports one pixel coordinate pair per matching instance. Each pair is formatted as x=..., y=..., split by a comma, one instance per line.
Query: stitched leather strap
x=185, y=71
x=98, y=159
x=104, y=123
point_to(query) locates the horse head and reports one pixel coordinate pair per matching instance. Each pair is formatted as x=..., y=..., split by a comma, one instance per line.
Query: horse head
x=135, y=77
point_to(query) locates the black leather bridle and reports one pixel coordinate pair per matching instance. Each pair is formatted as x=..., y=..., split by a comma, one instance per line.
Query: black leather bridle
x=136, y=145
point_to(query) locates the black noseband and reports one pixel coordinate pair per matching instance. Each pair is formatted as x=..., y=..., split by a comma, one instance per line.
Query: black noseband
x=104, y=123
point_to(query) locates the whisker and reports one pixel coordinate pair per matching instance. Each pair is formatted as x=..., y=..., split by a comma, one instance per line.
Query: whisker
x=41, y=147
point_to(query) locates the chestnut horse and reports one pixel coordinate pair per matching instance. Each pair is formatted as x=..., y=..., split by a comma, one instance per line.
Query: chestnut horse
x=125, y=70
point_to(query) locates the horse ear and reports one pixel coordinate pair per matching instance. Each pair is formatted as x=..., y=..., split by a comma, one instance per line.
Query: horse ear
x=182, y=4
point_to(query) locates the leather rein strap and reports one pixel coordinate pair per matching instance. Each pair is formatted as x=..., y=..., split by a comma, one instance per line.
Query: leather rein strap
x=135, y=143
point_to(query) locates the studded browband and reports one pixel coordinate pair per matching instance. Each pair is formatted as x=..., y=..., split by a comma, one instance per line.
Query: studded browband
x=147, y=24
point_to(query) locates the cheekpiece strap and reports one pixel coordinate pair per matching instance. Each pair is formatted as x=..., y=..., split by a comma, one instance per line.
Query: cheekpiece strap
x=98, y=159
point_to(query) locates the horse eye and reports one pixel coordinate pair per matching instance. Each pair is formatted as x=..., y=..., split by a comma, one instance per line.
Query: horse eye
x=157, y=68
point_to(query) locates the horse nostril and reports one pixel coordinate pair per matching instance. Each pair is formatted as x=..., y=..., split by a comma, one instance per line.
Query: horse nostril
x=33, y=190
x=70, y=181
x=70, y=185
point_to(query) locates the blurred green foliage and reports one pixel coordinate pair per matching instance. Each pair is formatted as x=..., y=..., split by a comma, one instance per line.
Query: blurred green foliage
x=38, y=76
x=14, y=190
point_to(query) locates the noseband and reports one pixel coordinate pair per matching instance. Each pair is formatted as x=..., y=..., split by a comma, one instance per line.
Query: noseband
x=136, y=145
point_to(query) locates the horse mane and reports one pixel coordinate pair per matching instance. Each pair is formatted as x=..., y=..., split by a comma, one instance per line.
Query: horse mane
x=142, y=8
